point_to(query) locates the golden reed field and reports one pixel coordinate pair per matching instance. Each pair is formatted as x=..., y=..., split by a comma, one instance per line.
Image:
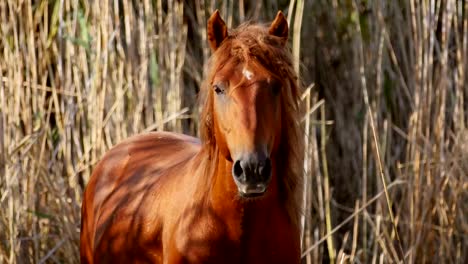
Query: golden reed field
x=385, y=92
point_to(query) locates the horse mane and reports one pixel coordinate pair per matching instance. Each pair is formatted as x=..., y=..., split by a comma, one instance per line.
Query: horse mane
x=252, y=42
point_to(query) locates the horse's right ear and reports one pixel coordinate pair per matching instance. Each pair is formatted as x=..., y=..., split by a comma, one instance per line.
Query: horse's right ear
x=279, y=27
x=216, y=30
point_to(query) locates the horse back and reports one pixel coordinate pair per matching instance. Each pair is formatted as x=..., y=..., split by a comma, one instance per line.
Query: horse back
x=128, y=190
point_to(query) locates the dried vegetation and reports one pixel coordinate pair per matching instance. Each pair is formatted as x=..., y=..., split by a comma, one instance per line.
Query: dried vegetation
x=386, y=130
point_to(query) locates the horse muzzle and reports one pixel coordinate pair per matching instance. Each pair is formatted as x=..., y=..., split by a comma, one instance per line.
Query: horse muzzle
x=252, y=174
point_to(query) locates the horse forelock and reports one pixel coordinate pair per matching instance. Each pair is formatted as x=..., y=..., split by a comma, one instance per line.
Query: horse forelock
x=253, y=44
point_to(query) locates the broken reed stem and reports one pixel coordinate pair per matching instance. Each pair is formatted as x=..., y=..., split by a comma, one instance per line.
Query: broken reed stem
x=326, y=186
x=382, y=177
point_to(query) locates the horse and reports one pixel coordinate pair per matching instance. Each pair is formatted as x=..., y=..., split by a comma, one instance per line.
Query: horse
x=232, y=196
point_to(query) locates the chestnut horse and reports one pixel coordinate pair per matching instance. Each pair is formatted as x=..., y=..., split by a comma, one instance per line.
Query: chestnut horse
x=232, y=197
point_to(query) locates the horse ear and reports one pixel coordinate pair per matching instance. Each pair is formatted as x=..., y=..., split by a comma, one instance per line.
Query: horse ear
x=216, y=30
x=279, y=27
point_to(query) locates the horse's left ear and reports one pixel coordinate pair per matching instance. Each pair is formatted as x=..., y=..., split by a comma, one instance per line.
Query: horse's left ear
x=279, y=27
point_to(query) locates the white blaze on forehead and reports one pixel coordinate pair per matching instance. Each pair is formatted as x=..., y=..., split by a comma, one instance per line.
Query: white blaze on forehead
x=248, y=74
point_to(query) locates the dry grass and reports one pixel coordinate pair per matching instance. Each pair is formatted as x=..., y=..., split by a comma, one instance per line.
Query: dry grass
x=386, y=132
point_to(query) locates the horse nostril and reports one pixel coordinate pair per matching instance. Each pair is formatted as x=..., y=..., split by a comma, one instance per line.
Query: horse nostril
x=265, y=170
x=237, y=169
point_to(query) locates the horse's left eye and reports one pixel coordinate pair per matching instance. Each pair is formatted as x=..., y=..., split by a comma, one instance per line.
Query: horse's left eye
x=218, y=89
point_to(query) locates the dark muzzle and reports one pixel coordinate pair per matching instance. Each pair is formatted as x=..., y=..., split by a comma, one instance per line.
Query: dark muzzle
x=252, y=174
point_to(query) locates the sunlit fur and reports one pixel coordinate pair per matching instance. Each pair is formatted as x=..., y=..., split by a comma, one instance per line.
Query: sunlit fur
x=252, y=42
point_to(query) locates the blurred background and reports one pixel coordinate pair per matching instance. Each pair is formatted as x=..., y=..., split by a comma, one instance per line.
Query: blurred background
x=385, y=88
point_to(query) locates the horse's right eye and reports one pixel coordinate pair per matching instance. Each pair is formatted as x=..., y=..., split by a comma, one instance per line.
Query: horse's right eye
x=218, y=89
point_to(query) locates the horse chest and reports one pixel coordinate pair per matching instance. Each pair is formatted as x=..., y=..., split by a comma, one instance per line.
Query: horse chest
x=212, y=239
x=269, y=238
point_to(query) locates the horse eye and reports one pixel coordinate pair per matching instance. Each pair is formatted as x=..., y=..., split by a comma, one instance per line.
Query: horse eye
x=218, y=89
x=276, y=88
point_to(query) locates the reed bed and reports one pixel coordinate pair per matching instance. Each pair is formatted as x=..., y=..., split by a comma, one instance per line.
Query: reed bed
x=385, y=128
